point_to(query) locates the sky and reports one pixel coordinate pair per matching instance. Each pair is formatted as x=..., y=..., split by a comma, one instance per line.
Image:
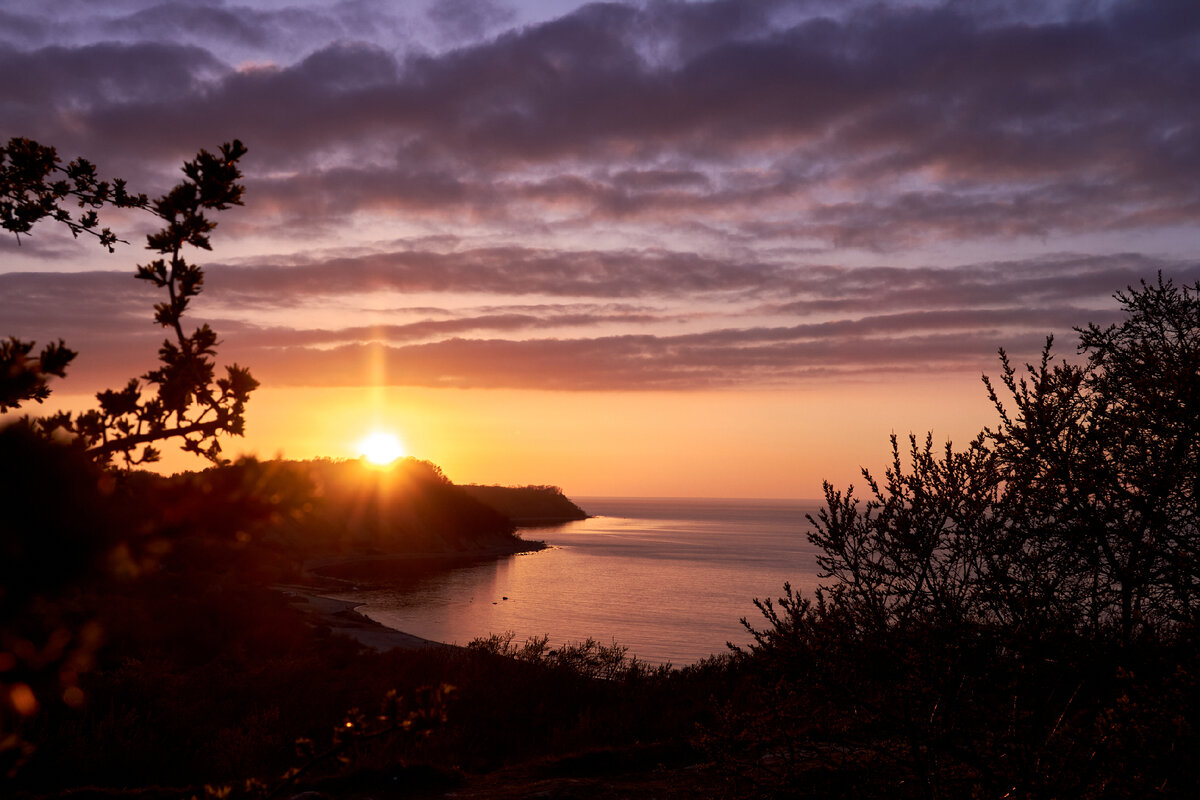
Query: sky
x=635, y=248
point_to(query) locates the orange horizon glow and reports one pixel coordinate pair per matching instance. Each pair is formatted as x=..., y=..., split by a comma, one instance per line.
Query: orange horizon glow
x=750, y=443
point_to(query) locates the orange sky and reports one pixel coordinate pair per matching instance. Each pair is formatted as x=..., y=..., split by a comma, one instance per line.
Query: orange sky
x=731, y=443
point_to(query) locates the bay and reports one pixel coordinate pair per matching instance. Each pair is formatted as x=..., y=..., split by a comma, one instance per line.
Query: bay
x=669, y=578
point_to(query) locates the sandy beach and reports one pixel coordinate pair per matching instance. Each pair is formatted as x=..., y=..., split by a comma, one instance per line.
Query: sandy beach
x=341, y=617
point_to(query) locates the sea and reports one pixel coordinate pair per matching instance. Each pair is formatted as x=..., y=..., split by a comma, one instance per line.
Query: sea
x=668, y=578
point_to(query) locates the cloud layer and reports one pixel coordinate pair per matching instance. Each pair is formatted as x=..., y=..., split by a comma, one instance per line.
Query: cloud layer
x=651, y=195
x=760, y=326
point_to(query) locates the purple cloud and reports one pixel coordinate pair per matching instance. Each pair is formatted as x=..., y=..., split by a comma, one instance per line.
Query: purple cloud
x=689, y=323
x=657, y=195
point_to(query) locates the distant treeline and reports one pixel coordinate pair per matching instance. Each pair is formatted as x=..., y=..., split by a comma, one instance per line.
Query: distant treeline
x=528, y=505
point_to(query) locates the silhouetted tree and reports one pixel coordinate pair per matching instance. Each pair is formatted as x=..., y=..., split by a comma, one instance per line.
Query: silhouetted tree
x=34, y=185
x=1080, y=504
x=65, y=523
x=1019, y=617
x=915, y=553
x=187, y=400
x=1104, y=460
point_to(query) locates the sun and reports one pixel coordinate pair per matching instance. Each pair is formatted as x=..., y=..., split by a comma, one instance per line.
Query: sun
x=381, y=448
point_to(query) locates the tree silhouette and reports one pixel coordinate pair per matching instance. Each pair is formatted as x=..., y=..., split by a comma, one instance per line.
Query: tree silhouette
x=1019, y=617
x=185, y=398
x=34, y=185
x=1080, y=504
x=67, y=525
x=1108, y=454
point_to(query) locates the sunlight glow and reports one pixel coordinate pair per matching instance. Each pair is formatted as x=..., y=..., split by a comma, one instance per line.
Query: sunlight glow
x=381, y=448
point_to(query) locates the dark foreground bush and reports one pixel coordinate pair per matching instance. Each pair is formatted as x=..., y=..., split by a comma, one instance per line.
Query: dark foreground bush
x=268, y=697
x=1016, y=619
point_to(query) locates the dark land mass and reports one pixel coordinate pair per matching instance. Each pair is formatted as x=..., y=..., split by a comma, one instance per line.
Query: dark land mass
x=528, y=506
x=351, y=509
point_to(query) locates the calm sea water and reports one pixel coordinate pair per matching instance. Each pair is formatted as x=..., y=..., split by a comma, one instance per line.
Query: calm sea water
x=668, y=578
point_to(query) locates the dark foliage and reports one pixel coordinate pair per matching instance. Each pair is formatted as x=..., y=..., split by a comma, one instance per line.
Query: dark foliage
x=57, y=519
x=34, y=185
x=85, y=555
x=182, y=398
x=214, y=684
x=1016, y=619
x=65, y=526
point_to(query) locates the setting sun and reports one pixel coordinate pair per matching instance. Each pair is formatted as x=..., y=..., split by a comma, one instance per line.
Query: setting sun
x=381, y=448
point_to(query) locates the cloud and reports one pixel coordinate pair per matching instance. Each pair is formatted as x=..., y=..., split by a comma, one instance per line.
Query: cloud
x=655, y=195
x=692, y=323
x=501, y=270
x=253, y=31
x=99, y=75
x=632, y=363
x=511, y=322
x=875, y=127
x=466, y=20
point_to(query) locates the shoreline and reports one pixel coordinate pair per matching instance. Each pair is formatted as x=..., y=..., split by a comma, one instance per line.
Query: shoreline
x=341, y=617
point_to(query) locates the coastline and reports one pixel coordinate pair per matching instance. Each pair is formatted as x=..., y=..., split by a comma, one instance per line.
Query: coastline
x=341, y=617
